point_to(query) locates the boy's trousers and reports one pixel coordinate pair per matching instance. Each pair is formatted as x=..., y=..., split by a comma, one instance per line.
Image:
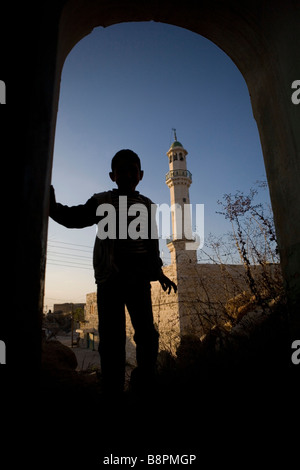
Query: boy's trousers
x=112, y=296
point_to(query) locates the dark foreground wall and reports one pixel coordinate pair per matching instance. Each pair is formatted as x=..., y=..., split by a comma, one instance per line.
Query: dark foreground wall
x=262, y=38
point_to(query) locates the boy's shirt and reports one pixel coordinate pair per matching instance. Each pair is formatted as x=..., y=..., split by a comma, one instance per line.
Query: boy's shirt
x=129, y=245
x=137, y=257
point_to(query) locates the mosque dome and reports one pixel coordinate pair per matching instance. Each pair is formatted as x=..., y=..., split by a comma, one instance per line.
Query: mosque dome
x=176, y=144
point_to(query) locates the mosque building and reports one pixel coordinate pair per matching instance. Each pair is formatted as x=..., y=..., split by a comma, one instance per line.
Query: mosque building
x=202, y=289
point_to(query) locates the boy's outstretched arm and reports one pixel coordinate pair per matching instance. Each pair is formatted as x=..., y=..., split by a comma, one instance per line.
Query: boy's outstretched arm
x=83, y=215
x=166, y=283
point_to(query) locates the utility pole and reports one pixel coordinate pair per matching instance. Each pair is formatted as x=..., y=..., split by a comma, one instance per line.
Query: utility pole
x=72, y=325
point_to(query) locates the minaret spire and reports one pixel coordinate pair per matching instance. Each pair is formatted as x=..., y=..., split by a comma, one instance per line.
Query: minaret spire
x=175, y=136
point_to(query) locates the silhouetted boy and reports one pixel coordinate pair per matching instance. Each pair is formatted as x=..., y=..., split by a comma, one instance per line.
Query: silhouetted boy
x=124, y=267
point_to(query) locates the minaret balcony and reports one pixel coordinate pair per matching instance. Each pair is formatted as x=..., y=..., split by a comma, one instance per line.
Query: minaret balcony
x=178, y=240
x=179, y=174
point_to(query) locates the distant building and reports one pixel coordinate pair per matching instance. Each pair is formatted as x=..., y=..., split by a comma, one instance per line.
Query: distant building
x=66, y=308
x=89, y=328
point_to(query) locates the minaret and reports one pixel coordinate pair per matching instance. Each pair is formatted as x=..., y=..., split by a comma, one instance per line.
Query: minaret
x=179, y=179
x=183, y=260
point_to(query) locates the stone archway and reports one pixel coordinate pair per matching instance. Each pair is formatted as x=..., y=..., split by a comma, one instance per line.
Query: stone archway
x=263, y=41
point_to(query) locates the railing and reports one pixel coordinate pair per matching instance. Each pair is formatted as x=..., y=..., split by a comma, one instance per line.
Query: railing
x=175, y=173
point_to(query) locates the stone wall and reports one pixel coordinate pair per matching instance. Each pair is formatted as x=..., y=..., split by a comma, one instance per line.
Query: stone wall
x=91, y=312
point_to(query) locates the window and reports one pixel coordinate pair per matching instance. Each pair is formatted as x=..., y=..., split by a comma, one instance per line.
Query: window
x=175, y=157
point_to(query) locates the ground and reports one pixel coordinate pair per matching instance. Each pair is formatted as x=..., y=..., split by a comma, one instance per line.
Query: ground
x=221, y=417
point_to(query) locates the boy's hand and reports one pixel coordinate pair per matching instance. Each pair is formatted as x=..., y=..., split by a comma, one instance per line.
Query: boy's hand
x=52, y=195
x=166, y=283
x=52, y=199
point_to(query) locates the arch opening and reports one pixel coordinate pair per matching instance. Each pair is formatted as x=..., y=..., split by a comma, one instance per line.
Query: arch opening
x=263, y=41
x=179, y=91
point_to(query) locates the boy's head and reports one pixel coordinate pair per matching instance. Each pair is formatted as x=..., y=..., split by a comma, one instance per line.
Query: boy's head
x=126, y=170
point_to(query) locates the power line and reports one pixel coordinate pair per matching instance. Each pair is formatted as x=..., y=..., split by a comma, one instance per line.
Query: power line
x=69, y=262
x=67, y=248
x=65, y=259
x=66, y=300
x=69, y=265
x=67, y=243
x=68, y=255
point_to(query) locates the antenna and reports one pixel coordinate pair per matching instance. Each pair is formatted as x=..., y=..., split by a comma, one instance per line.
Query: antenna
x=175, y=136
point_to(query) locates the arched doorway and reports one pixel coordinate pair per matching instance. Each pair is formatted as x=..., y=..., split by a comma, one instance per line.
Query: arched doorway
x=263, y=43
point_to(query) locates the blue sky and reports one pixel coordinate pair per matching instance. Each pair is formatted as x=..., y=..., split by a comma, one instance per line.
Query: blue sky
x=127, y=86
